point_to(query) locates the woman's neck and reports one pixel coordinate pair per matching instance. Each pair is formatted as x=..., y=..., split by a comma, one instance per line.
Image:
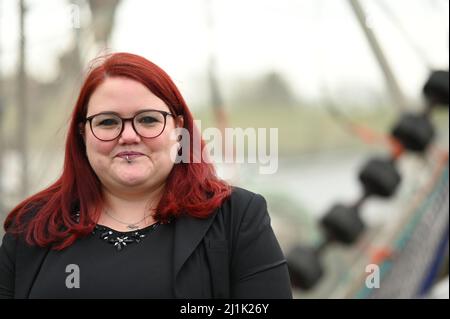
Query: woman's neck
x=123, y=211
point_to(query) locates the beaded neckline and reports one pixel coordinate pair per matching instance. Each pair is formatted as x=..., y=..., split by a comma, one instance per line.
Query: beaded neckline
x=118, y=239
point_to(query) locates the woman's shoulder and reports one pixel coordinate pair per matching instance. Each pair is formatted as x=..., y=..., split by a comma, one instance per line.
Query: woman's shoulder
x=15, y=228
x=243, y=215
x=243, y=202
x=244, y=196
x=19, y=219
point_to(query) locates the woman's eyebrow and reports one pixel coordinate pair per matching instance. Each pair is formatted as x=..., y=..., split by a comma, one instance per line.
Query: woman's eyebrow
x=139, y=111
x=104, y=112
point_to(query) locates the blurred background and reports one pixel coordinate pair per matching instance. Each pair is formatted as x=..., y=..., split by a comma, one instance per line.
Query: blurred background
x=334, y=76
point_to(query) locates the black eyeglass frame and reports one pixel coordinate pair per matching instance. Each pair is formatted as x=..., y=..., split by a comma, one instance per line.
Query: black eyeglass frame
x=125, y=119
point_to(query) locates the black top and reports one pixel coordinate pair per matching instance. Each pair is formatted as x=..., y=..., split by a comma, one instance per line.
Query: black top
x=110, y=264
x=233, y=253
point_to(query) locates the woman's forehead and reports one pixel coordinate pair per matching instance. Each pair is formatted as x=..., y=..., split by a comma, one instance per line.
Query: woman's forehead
x=123, y=96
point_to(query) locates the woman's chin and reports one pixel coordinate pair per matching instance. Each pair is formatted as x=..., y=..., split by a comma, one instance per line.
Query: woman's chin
x=132, y=178
x=131, y=182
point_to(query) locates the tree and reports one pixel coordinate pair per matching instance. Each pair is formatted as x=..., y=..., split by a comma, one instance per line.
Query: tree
x=271, y=90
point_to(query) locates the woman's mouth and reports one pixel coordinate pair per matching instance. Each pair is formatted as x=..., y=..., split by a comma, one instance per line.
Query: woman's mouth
x=128, y=156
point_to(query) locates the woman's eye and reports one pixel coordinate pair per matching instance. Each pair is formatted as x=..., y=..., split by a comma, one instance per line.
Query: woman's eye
x=147, y=120
x=108, y=122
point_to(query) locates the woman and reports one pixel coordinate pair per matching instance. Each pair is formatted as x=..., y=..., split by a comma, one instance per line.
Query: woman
x=125, y=219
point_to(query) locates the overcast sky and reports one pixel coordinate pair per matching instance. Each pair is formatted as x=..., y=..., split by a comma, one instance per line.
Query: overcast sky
x=314, y=43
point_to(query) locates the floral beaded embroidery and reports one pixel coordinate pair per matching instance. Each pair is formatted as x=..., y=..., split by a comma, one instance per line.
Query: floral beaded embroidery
x=120, y=240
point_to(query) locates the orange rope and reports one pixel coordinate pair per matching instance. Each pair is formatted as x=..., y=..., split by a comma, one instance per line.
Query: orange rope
x=370, y=136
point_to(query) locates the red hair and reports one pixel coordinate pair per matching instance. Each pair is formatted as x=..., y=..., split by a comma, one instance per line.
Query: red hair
x=47, y=218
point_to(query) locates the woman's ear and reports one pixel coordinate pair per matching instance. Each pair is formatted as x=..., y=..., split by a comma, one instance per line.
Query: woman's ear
x=82, y=131
x=179, y=121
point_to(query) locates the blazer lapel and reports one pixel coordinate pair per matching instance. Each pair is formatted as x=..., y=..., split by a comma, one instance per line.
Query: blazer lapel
x=28, y=262
x=189, y=232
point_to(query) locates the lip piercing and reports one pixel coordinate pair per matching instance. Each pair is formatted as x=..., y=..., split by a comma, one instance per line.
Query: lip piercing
x=128, y=159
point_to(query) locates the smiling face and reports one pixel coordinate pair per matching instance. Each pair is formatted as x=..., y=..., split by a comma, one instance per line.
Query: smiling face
x=149, y=161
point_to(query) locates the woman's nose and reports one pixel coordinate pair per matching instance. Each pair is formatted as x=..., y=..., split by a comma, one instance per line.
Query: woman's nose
x=129, y=135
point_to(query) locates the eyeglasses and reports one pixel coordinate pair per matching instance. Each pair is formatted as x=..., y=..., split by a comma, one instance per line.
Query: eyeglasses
x=108, y=126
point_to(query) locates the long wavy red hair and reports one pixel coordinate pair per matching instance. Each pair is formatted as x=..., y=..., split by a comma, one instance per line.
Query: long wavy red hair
x=47, y=218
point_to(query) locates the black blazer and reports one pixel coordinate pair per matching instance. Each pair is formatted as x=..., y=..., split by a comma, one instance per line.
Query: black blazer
x=231, y=254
